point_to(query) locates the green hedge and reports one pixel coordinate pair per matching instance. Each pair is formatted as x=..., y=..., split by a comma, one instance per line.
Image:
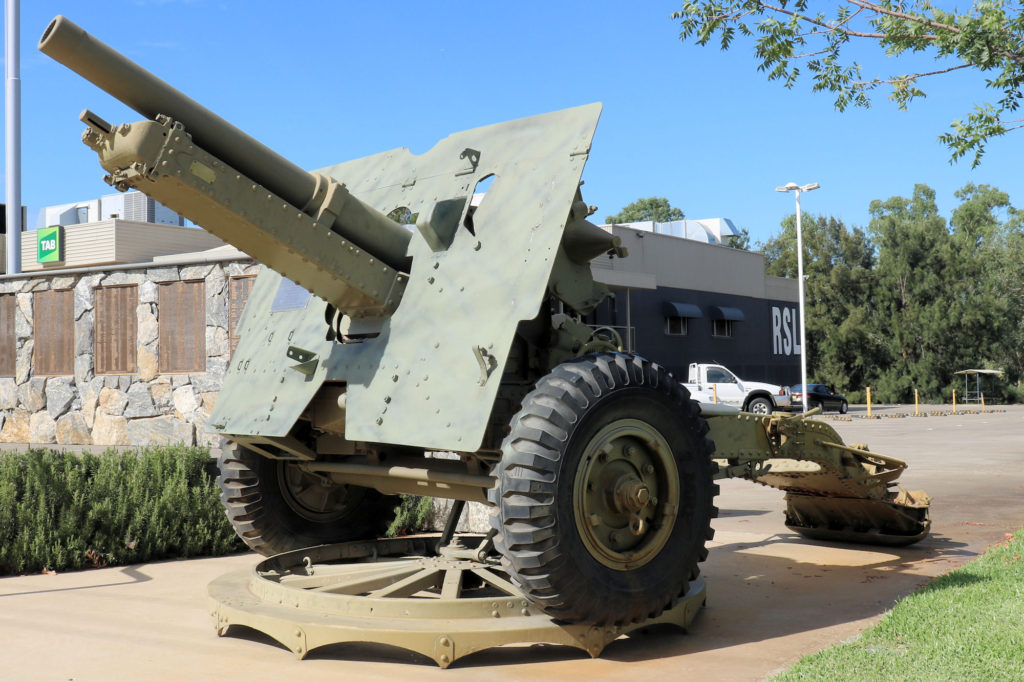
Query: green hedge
x=61, y=511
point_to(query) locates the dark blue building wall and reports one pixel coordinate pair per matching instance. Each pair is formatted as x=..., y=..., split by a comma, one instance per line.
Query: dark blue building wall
x=763, y=346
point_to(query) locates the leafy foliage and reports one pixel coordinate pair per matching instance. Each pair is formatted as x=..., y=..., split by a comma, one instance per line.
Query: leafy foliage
x=786, y=35
x=62, y=511
x=411, y=515
x=993, y=230
x=839, y=280
x=657, y=209
x=931, y=318
x=740, y=241
x=912, y=300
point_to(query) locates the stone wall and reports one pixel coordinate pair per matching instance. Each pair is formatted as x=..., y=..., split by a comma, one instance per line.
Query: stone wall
x=140, y=409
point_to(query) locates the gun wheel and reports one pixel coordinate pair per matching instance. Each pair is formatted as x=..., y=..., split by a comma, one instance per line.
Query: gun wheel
x=604, y=495
x=276, y=507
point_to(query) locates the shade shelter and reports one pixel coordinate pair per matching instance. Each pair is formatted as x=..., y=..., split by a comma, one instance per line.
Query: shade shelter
x=974, y=396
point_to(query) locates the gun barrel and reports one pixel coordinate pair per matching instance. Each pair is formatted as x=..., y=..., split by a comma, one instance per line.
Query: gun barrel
x=97, y=62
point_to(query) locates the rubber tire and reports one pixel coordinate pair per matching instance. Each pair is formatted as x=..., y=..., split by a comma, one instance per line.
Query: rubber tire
x=843, y=407
x=760, y=401
x=254, y=502
x=533, y=514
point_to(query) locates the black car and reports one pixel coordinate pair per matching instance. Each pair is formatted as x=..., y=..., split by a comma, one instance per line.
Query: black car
x=818, y=395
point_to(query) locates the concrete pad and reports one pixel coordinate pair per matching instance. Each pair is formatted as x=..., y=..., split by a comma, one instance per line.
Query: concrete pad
x=773, y=596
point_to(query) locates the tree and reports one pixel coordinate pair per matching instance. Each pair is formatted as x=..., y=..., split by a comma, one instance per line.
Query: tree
x=912, y=300
x=657, y=209
x=987, y=225
x=1008, y=280
x=741, y=241
x=988, y=37
x=935, y=311
x=838, y=268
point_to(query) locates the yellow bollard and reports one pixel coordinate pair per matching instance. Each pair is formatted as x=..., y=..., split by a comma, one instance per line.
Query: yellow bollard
x=714, y=393
x=982, y=402
x=869, y=402
x=954, y=401
x=916, y=412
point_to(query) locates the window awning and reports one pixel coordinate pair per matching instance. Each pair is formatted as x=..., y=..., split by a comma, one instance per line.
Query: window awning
x=721, y=312
x=673, y=309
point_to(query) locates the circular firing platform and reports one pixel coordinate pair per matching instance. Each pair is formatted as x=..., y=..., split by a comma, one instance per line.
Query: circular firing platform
x=443, y=603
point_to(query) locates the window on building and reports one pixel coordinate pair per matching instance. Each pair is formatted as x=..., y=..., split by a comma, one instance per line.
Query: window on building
x=53, y=330
x=677, y=316
x=116, y=330
x=722, y=328
x=8, y=337
x=182, y=325
x=675, y=326
x=238, y=293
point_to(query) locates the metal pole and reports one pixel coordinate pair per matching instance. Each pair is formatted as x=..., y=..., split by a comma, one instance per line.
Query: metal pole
x=629, y=323
x=800, y=276
x=12, y=82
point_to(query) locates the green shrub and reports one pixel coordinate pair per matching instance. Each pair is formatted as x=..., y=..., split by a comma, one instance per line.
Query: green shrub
x=410, y=515
x=61, y=511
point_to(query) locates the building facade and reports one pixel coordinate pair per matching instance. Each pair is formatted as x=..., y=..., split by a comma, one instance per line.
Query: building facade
x=680, y=300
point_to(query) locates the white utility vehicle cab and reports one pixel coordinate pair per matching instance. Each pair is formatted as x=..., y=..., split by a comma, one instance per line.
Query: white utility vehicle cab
x=716, y=383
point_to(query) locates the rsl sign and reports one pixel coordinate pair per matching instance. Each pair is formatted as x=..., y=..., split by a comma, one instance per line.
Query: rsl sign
x=785, y=331
x=50, y=244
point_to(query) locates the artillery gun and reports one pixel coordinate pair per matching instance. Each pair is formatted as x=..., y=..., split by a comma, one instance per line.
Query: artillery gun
x=367, y=346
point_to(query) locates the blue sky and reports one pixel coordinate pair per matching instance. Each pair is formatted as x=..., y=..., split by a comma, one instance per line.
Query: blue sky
x=322, y=82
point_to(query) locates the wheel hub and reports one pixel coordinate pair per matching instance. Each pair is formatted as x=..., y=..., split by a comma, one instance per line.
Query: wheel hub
x=631, y=494
x=626, y=493
x=312, y=496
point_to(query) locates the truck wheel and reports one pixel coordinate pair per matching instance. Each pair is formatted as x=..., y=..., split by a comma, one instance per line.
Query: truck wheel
x=604, y=495
x=760, y=406
x=275, y=507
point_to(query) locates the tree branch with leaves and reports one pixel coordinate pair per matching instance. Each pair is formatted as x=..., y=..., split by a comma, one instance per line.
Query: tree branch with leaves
x=788, y=36
x=657, y=209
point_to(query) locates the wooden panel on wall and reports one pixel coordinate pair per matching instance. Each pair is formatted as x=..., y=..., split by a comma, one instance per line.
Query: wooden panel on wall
x=182, y=322
x=116, y=330
x=53, y=330
x=8, y=337
x=238, y=294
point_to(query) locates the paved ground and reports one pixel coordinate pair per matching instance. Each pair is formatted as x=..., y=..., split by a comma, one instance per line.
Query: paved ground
x=773, y=596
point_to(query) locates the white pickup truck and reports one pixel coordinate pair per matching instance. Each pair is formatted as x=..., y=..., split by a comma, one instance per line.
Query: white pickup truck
x=710, y=382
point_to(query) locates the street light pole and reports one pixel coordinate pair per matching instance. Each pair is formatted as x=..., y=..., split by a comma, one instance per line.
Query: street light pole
x=793, y=187
x=12, y=132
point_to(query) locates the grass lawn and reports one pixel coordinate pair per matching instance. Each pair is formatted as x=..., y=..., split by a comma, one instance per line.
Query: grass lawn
x=965, y=625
